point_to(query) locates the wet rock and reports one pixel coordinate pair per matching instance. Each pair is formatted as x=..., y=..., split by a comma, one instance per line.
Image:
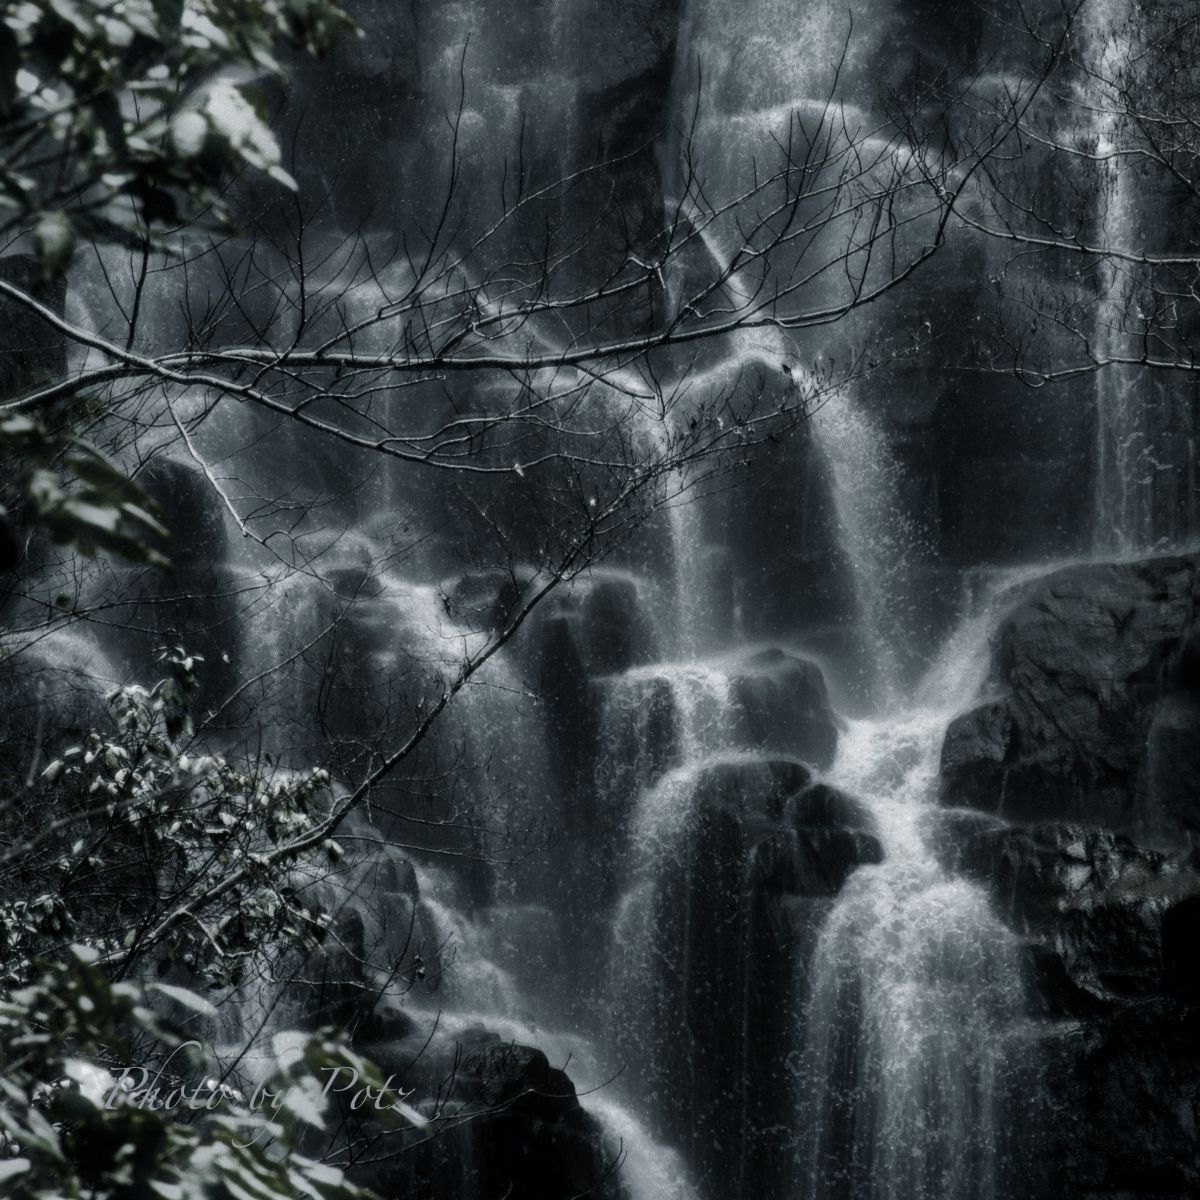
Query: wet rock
x=1054, y=995
x=194, y=513
x=1097, y=719
x=1113, y=949
x=795, y=581
x=949, y=830
x=350, y=978
x=976, y=746
x=570, y=705
x=520, y=1129
x=828, y=857
x=1090, y=741
x=1181, y=949
x=355, y=583
x=1091, y=902
x=614, y=629
x=603, y=617
x=1171, y=769
x=483, y=600
x=826, y=807
x=655, y=738
x=638, y=742
x=783, y=704
x=385, y=1025
x=1036, y=874
x=655, y=719
x=720, y=914
x=833, y=837
x=749, y=791
x=1125, y=1119
x=1110, y=932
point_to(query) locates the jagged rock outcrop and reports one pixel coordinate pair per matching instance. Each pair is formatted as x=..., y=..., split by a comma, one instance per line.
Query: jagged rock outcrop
x=1092, y=903
x=1098, y=715
x=1111, y=934
x=1076, y=783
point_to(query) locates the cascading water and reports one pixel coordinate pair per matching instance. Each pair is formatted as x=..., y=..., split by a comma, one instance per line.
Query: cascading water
x=1125, y=460
x=912, y=991
x=881, y=544
x=768, y=874
x=915, y=987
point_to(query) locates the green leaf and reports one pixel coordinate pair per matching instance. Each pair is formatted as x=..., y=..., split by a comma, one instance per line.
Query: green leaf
x=101, y=509
x=10, y=1168
x=189, y=133
x=74, y=14
x=54, y=238
x=304, y=1100
x=197, y=1004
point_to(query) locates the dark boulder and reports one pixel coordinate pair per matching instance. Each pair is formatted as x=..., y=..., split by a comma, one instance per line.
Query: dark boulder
x=1097, y=718
x=748, y=792
x=1124, y=1122
x=603, y=616
x=1181, y=949
x=568, y=696
x=640, y=729
x=615, y=630
x=833, y=836
x=657, y=718
x=1110, y=931
x=1090, y=740
x=355, y=582
x=515, y=1128
x=823, y=806
x=484, y=600
x=782, y=704
x=194, y=513
x=1092, y=903
x=1036, y=874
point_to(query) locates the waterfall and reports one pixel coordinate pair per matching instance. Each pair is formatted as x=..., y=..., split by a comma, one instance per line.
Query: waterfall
x=691, y=583
x=744, y=945
x=880, y=542
x=648, y=1170
x=915, y=986
x=1125, y=460
x=912, y=988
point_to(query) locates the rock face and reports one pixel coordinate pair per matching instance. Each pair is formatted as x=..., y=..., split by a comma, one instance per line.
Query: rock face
x=1081, y=772
x=659, y=718
x=781, y=700
x=523, y=1132
x=769, y=701
x=1127, y=1099
x=733, y=910
x=1092, y=903
x=1098, y=720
